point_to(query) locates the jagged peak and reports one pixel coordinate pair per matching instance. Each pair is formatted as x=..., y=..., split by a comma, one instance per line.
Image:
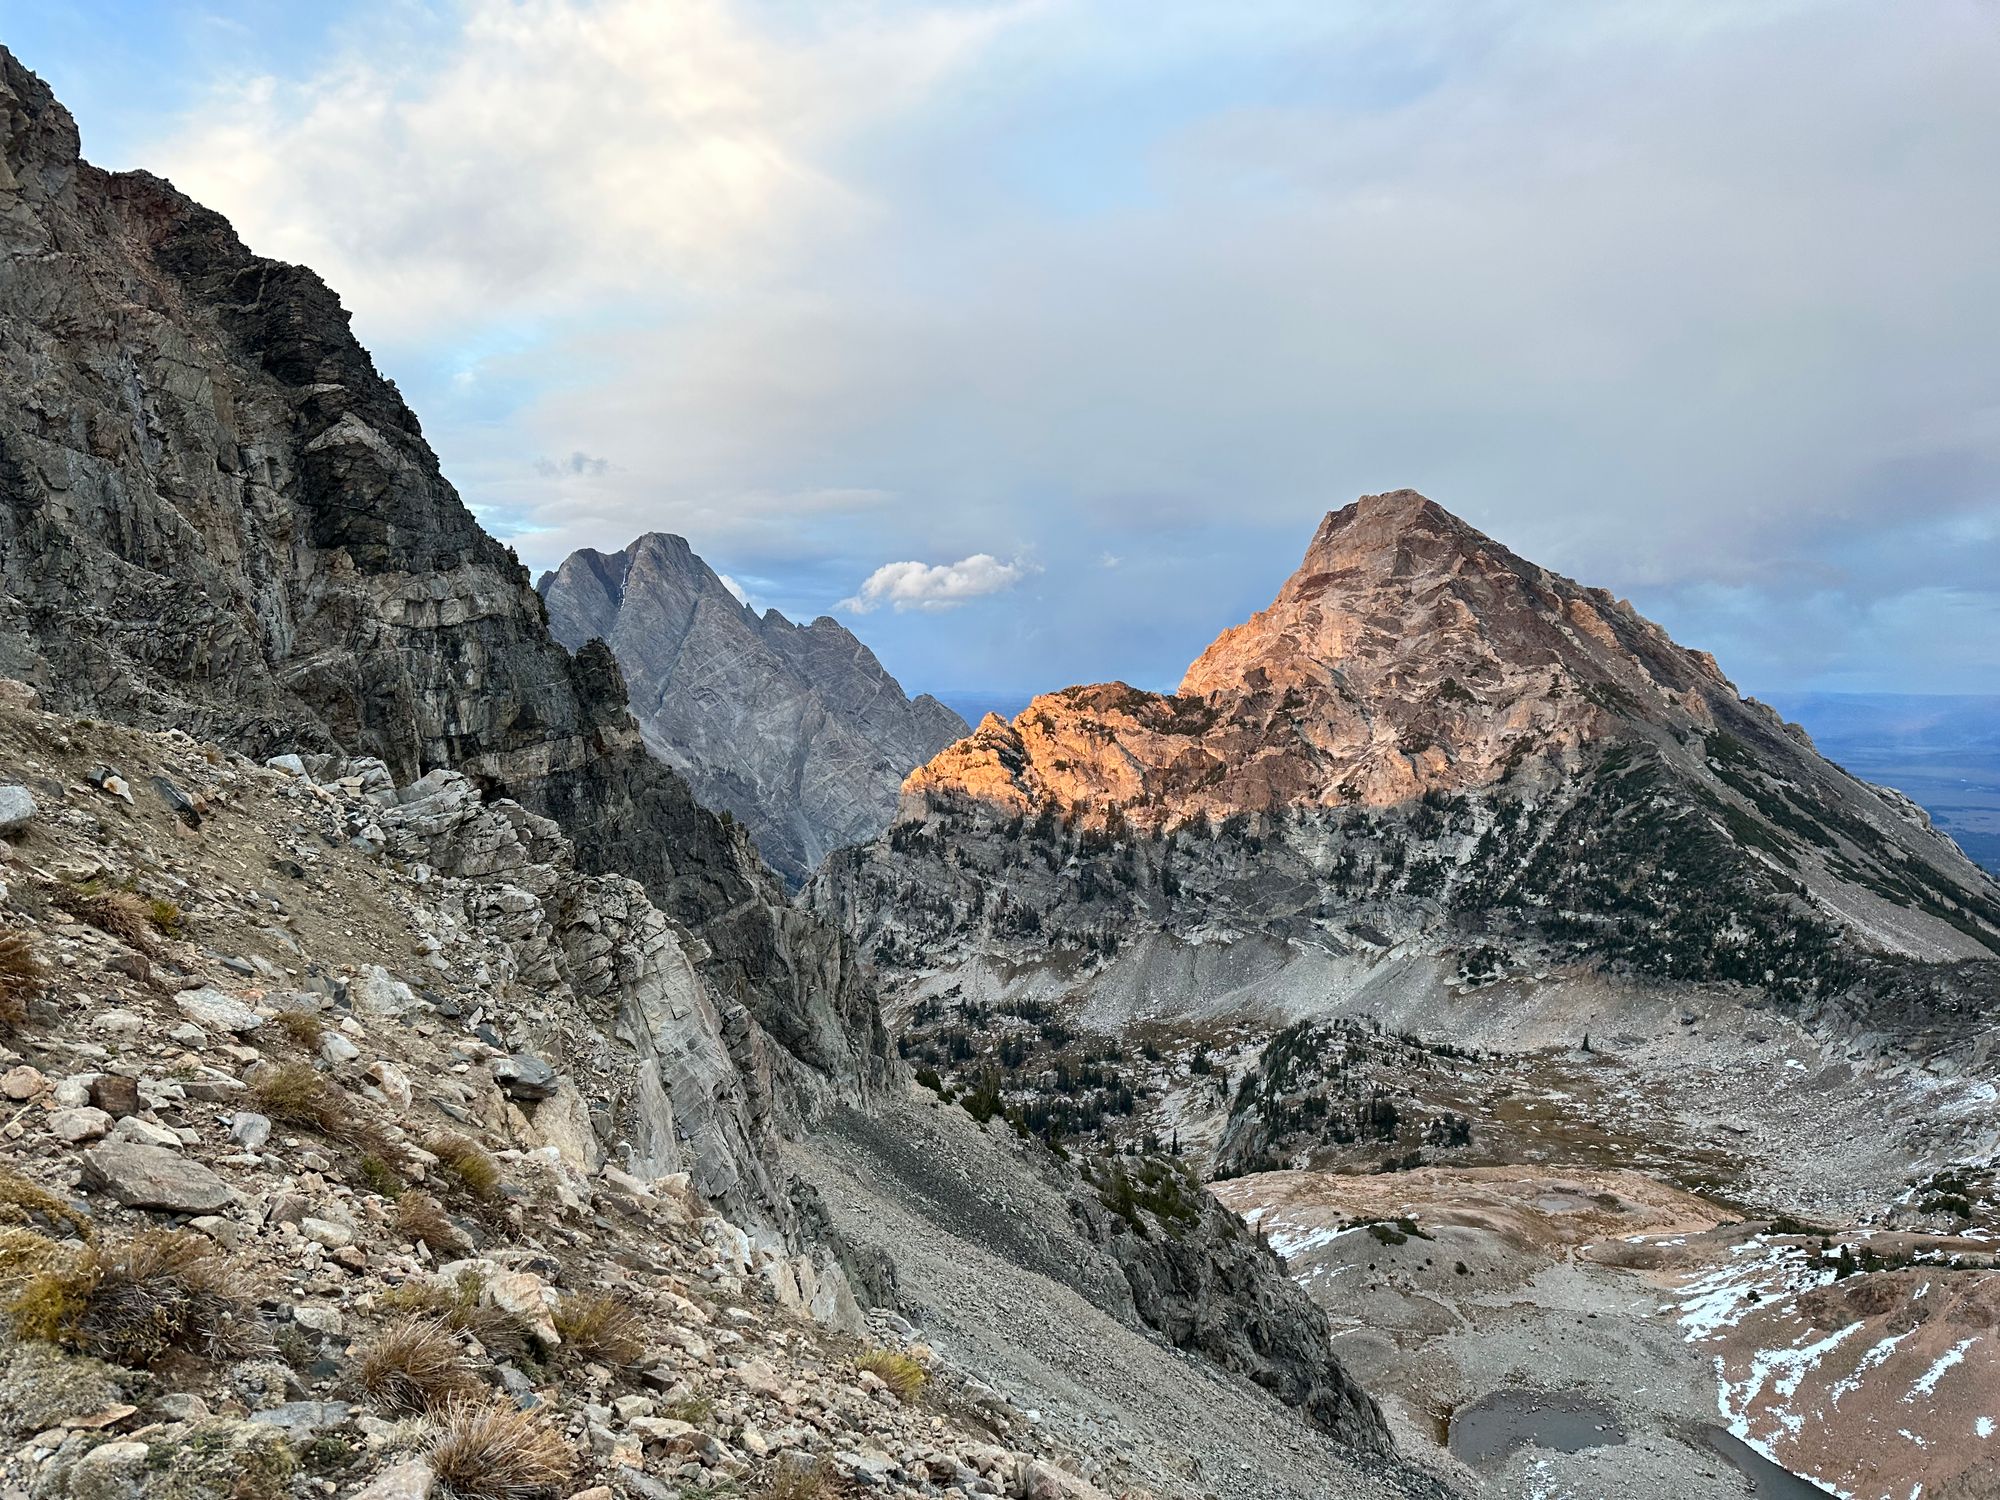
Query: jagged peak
x=1409, y=652
x=1398, y=509
x=1394, y=535
x=668, y=542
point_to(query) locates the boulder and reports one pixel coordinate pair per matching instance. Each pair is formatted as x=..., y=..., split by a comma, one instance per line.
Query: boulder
x=146, y=1133
x=523, y=1296
x=217, y=1011
x=188, y=809
x=393, y=1083
x=17, y=808
x=107, y=780
x=405, y=1481
x=115, y=1094
x=110, y=1471
x=377, y=992
x=1044, y=1481
x=85, y=1124
x=326, y=1232
x=525, y=1076
x=337, y=1050
x=153, y=1177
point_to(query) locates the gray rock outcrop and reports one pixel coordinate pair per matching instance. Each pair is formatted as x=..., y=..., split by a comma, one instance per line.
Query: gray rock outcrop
x=17, y=808
x=154, y=1177
x=795, y=730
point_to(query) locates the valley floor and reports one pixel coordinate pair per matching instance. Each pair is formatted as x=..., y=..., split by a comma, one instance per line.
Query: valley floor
x=1705, y=1246
x=1504, y=1314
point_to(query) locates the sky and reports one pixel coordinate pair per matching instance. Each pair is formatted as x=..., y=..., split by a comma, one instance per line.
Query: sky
x=1032, y=338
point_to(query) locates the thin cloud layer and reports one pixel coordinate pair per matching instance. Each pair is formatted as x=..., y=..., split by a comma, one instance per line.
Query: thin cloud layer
x=1693, y=301
x=933, y=586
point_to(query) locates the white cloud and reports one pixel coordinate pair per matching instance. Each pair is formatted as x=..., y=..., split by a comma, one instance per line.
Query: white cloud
x=742, y=594
x=915, y=585
x=555, y=153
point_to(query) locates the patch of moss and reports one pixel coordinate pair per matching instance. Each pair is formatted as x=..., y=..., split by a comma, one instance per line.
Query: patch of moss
x=40, y=1383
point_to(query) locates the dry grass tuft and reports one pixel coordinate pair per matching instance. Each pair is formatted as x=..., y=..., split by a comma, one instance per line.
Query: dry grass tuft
x=413, y=1365
x=456, y=1306
x=902, y=1374
x=302, y=1027
x=296, y=1093
x=461, y=1308
x=117, y=912
x=421, y=1218
x=21, y=976
x=814, y=1481
x=488, y=1451
x=162, y=1291
x=596, y=1325
x=466, y=1166
x=29, y=1205
x=25, y=1255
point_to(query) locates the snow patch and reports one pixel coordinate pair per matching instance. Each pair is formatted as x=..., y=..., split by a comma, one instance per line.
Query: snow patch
x=1927, y=1382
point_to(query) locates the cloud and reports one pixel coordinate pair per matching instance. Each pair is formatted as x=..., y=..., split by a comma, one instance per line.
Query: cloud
x=1633, y=287
x=741, y=594
x=915, y=585
x=546, y=155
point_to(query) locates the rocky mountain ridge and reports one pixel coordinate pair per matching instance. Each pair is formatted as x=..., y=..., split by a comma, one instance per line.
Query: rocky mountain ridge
x=366, y=1142
x=795, y=730
x=1425, y=736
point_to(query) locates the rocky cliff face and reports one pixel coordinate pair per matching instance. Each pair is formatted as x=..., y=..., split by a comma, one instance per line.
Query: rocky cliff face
x=216, y=514
x=1425, y=734
x=795, y=730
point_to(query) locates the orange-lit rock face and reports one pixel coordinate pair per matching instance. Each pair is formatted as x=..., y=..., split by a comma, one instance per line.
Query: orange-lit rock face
x=1408, y=652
